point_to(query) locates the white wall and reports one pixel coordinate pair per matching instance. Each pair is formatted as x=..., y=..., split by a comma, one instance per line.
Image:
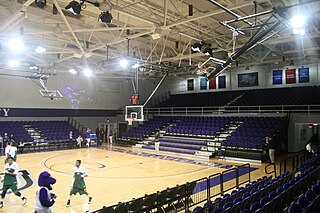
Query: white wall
x=79, y=92
x=265, y=78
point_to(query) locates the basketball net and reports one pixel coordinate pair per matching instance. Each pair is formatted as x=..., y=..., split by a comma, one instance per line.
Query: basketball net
x=130, y=120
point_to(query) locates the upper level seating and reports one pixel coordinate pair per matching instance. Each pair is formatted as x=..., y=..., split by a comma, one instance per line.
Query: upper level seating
x=281, y=96
x=200, y=99
x=146, y=128
x=55, y=130
x=260, y=97
x=15, y=128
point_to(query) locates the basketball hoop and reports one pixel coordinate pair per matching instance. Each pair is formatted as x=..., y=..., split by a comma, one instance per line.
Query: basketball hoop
x=130, y=120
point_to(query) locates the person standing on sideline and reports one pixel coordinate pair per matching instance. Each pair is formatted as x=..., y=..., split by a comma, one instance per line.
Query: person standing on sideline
x=110, y=137
x=79, y=185
x=13, y=151
x=11, y=170
x=88, y=132
x=272, y=148
x=157, y=142
x=1, y=143
x=98, y=136
x=7, y=150
x=79, y=141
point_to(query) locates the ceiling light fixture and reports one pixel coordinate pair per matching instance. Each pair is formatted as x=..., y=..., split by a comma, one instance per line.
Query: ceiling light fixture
x=41, y=3
x=124, y=63
x=40, y=49
x=74, y=7
x=73, y=71
x=16, y=45
x=106, y=17
x=87, y=72
x=196, y=47
x=14, y=63
x=298, y=23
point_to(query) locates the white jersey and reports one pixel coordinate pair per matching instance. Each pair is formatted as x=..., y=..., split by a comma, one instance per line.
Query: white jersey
x=13, y=151
x=39, y=208
x=14, y=166
x=79, y=169
x=7, y=150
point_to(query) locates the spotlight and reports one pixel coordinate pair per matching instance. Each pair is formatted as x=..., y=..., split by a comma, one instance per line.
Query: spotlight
x=74, y=7
x=106, y=17
x=14, y=63
x=208, y=51
x=298, y=23
x=135, y=66
x=73, y=71
x=196, y=47
x=16, y=45
x=124, y=63
x=41, y=3
x=87, y=72
x=40, y=49
x=33, y=67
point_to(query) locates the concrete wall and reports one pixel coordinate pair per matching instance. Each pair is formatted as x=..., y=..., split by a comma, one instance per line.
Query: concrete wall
x=265, y=78
x=298, y=124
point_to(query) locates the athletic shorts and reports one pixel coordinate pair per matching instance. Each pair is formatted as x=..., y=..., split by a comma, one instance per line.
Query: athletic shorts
x=74, y=191
x=12, y=187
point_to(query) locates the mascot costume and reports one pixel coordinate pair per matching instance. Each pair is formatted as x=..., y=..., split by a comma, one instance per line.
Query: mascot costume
x=44, y=198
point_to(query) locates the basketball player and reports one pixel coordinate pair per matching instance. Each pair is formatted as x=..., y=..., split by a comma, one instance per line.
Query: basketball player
x=7, y=150
x=13, y=152
x=11, y=170
x=79, y=185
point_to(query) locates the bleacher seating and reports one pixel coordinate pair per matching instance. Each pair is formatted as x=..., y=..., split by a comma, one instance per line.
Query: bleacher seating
x=55, y=131
x=146, y=128
x=285, y=193
x=252, y=131
x=16, y=129
x=52, y=131
x=261, y=97
x=198, y=125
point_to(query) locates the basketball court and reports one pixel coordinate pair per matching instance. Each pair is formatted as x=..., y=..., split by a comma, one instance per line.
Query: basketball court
x=114, y=176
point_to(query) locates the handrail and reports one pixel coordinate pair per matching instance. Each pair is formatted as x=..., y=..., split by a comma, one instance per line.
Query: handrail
x=271, y=172
x=193, y=193
x=234, y=109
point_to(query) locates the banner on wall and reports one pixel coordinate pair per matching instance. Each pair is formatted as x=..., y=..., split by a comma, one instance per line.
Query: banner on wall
x=222, y=82
x=303, y=75
x=248, y=79
x=203, y=84
x=213, y=83
x=190, y=84
x=277, y=77
x=290, y=76
x=183, y=85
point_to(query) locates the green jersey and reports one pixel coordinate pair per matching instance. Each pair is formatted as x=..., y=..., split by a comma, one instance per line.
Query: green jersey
x=10, y=179
x=78, y=175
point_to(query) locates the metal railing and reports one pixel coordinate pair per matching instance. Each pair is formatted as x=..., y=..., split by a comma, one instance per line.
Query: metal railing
x=280, y=109
x=182, y=197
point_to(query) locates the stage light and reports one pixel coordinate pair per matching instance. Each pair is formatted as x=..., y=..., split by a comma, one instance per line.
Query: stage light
x=196, y=47
x=298, y=23
x=135, y=66
x=14, y=63
x=87, y=72
x=208, y=51
x=124, y=63
x=41, y=3
x=74, y=7
x=106, y=17
x=73, y=71
x=40, y=49
x=16, y=45
x=33, y=67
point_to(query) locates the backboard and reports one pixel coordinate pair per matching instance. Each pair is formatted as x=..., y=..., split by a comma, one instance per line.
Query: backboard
x=53, y=94
x=134, y=113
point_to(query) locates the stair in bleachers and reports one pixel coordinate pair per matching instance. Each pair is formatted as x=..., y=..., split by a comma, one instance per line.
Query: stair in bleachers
x=34, y=133
x=15, y=128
